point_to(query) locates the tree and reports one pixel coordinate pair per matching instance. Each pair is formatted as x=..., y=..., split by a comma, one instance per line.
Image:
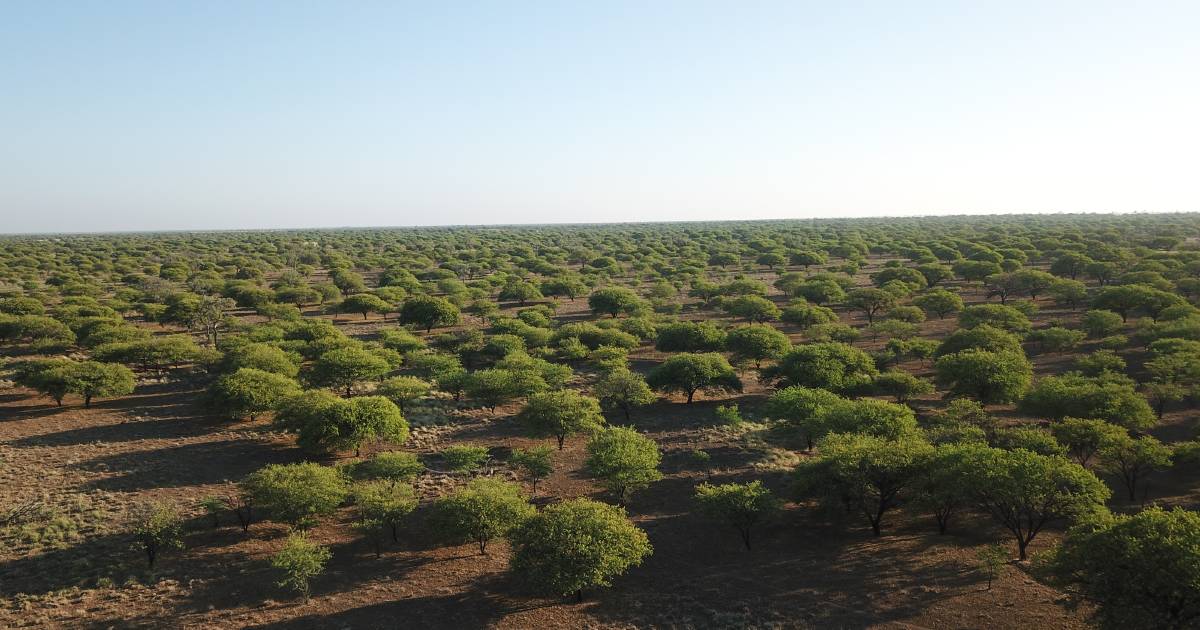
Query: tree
x=1084, y=437
x=689, y=373
x=364, y=303
x=260, y=356
x=1100, y=323
x=1033, y=282
x=1003, y=317
x=1123, y=299
x=536, y=463
x=296, y=494
x=386, y=503
x=739, y=505
x=209, y=317
x=1070, y=264
x=624, y=460
x=689, y=337
x=820, y=291
x=870, y=301
x=1134, y=458
x=93, y=378
x=613, y=301
x=807, y=258
x=1069, y=293
x=982, y=337
x=942, y=302
x=902, y=385
x=561, y=414
x=753, y=308
x=1141, y=571
x=989, y=377
x=299, y=561
x=1078, y=396
x=403, y=390
x=481, y=511
x=326, y=424
x=867, y=474
x=623, y=389
x=943, y=481
x=1057, y=339
x=1024, y=491
x=157, y=527
x=834, y=366
x=343, y=368
x=575, y=545
x=45, y=376
x=520, y=292
x=249, y=392
x=756, y=343
x=429, y=312
x=806, y=315
x=803, y=410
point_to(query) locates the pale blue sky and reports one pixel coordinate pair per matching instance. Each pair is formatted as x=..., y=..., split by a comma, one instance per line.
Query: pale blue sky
x=221, y=114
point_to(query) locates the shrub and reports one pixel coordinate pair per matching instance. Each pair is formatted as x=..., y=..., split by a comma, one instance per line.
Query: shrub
x=483, y=510
x=300, y=561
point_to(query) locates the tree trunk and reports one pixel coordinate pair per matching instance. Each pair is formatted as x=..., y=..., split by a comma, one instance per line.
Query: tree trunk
x=691, y=393
x=87, y=401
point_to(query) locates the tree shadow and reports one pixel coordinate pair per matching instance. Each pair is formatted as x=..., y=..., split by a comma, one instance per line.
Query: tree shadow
x=185, y=465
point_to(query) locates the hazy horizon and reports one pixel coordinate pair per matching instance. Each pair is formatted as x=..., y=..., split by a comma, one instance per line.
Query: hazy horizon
x=194, y=116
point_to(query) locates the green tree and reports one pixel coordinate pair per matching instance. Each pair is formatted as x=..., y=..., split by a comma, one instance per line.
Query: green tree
x=803, y=410
x=299, y=561
x=867, y=474
x=403, y=390
x=870, y=301
x=296, y=494
x=429, y=312
x=343, y=368
x=624, y=460
x=1134, y=458
x=250, y=392
x=1084, y=437
x=1124, y=299
x=753, y=308
x=575, y=545
x=561, y=414
x=537, y=463
x=93, y=378
x=834, y=366
x=364, y=303
x=613, y=301
x=481, y=511
x=1101, y=323
x=739, y=505
x=386, y=503
x=989, y=377
x=756, y=343
x=623, y=389
x=942, y=302
x=901, y=385
x=689, y=373
x=1024, y=491
x=157, y=527
x=1078, y=396
x=1140, y=571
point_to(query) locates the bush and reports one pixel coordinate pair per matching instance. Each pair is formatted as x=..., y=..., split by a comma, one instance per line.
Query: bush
x=250, y=392
x=157, y=527
x=465, y=458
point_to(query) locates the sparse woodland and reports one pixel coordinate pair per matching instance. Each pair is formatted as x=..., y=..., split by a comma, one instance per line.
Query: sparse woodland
x=940, y=422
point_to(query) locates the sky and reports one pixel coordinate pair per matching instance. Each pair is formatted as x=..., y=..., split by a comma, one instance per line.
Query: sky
x=218, y=114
